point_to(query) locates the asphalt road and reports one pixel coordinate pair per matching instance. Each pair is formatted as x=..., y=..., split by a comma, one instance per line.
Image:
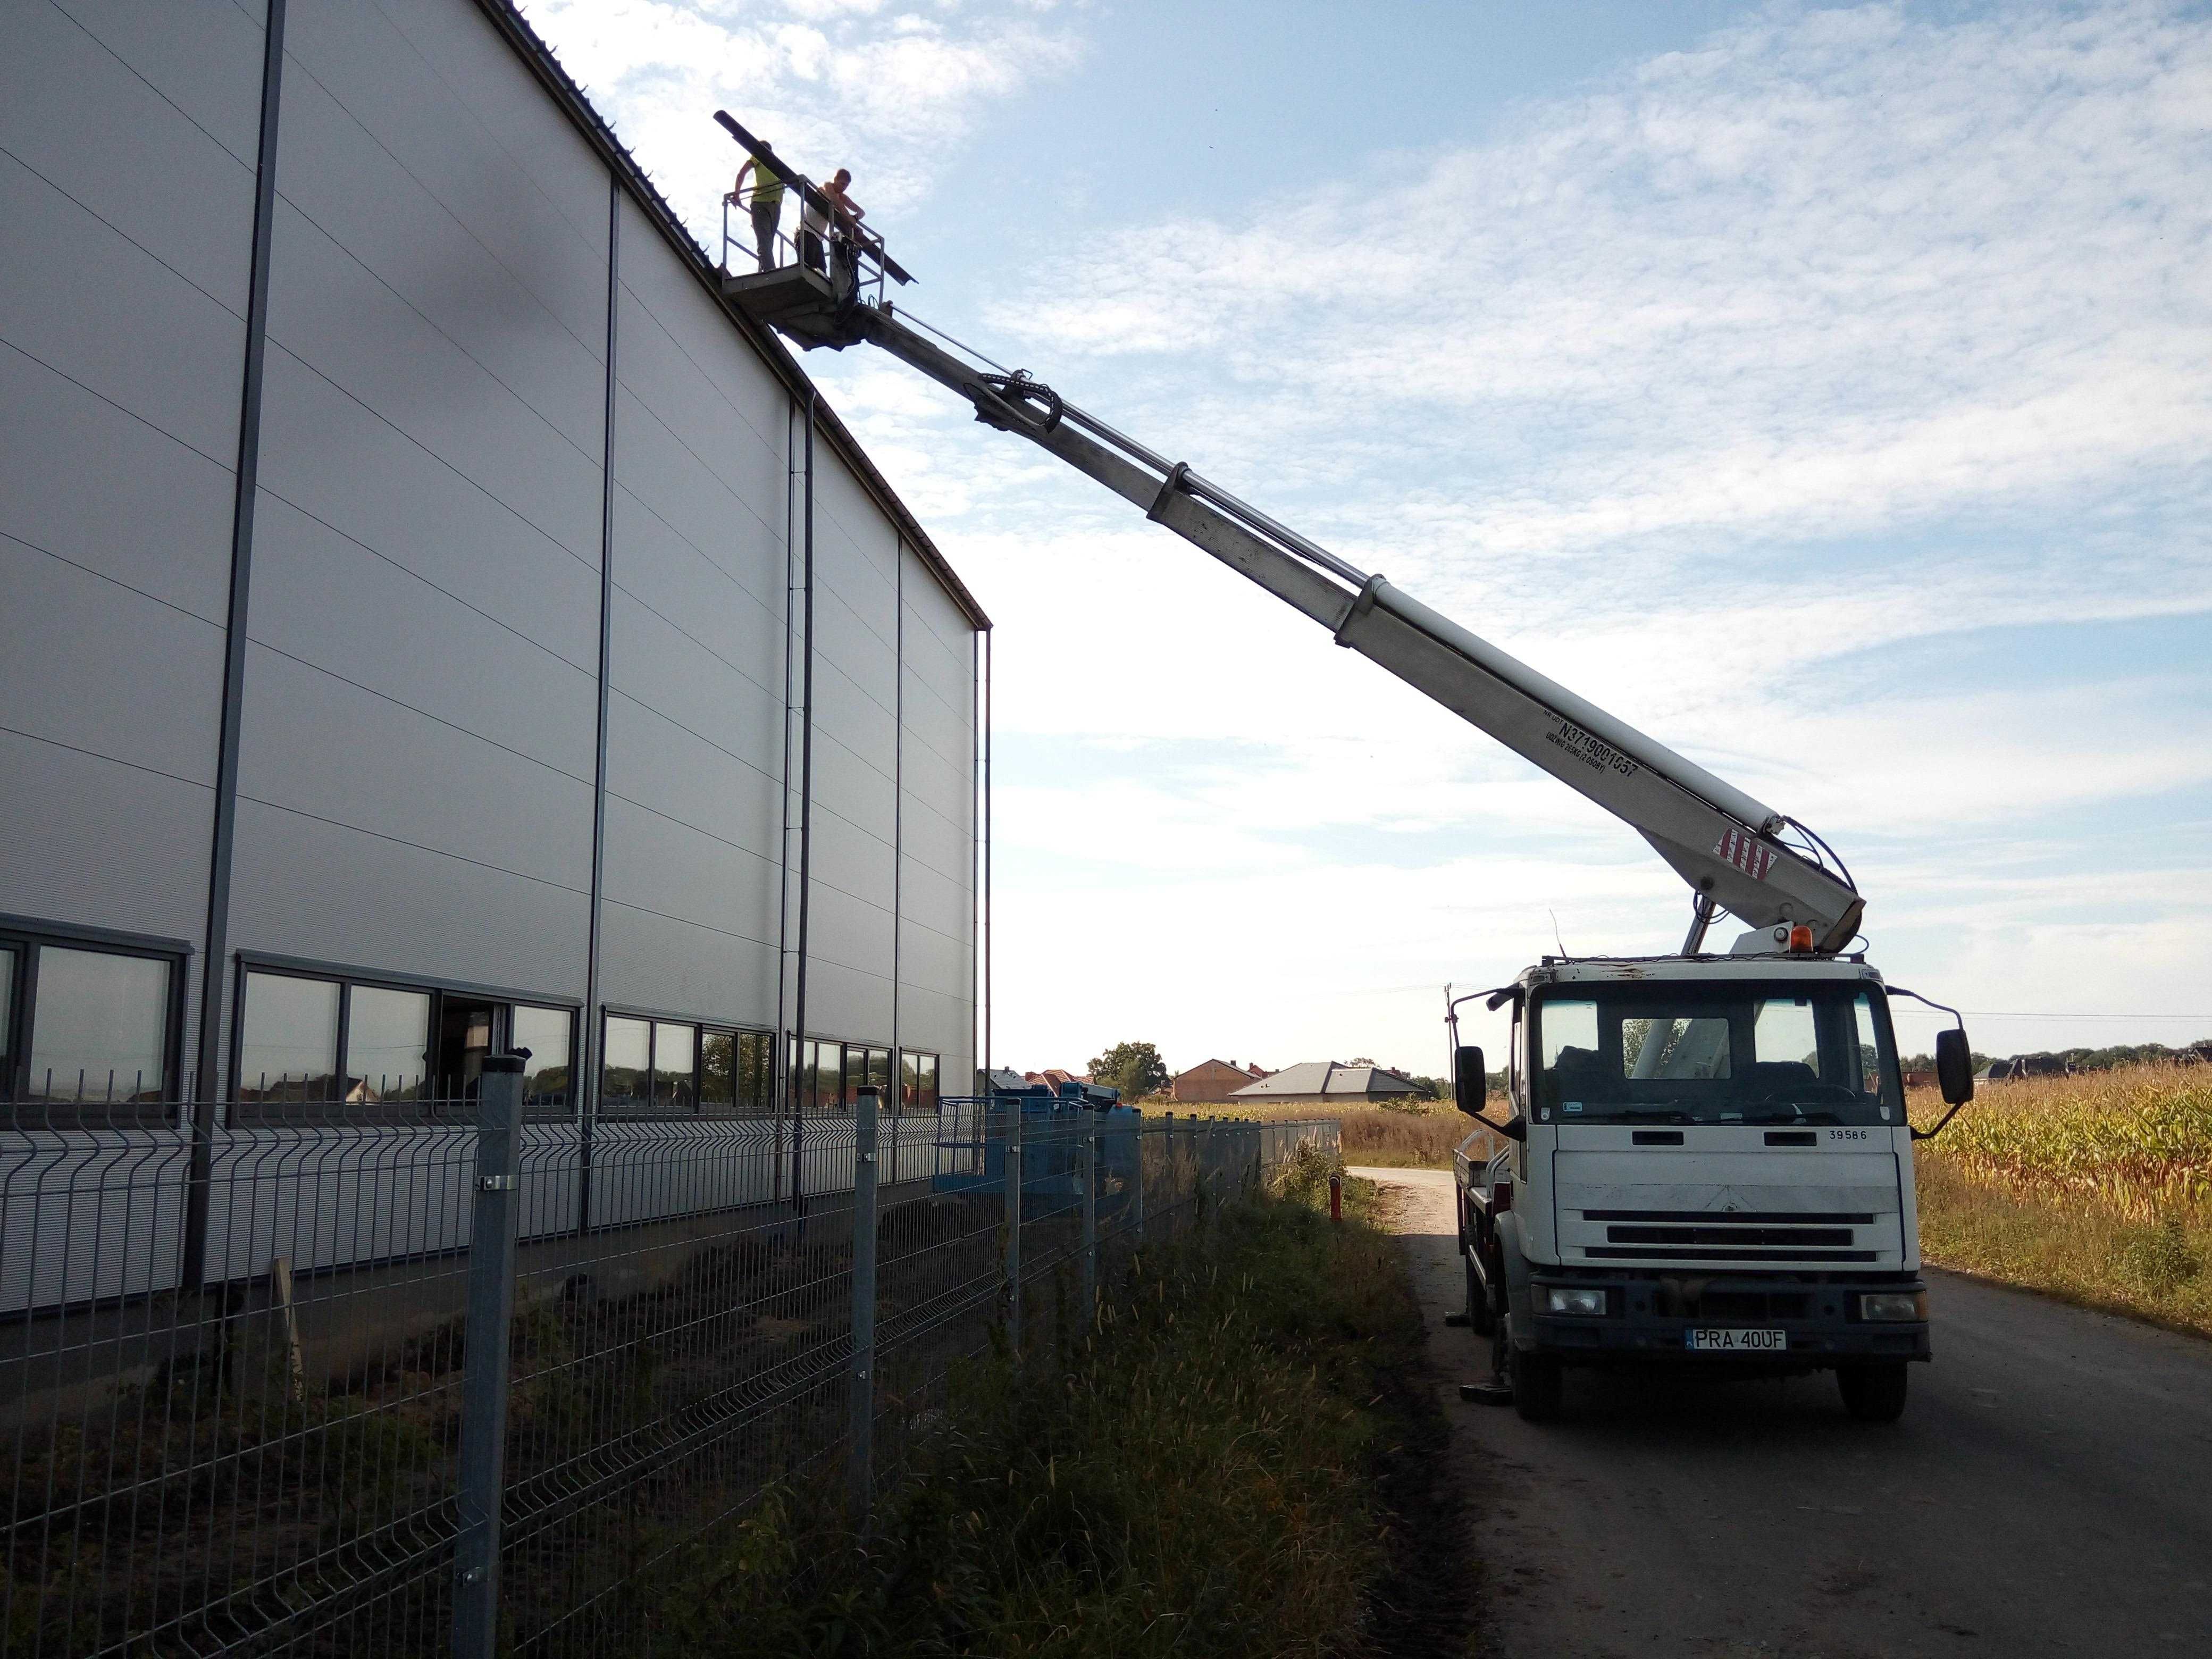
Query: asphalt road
x=2049, y=1491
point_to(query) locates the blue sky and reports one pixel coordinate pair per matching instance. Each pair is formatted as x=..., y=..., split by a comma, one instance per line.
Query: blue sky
x=1823, y=389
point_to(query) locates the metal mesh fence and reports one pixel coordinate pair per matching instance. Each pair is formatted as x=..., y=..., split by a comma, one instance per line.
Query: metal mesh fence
x=249, y=1375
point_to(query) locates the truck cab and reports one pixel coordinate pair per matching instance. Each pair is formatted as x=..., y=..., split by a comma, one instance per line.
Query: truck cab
x=1707, y=1164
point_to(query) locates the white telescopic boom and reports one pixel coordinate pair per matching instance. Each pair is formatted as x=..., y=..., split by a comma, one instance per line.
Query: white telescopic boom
x=1720, y=841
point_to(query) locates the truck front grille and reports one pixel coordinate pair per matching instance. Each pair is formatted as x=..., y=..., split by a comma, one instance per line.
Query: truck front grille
x=1828, y=1236
x=1716, y=1253
x=1734, y=1217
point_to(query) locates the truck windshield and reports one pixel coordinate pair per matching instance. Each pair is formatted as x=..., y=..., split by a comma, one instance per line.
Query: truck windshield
x=1743, y=1052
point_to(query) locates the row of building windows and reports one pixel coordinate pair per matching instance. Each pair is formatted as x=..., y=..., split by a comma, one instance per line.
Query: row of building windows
x=307, y=1039
x=92, y=1026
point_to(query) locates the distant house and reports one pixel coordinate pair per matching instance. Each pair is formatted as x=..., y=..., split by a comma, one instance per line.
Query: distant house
x=1053, y=1077
x=1323, y=1082
x=1920, y=1079
x=1214, y=1079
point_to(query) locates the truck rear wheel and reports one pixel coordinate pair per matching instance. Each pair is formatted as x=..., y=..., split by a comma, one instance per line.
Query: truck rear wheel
x=1873, y=1392
x=1536, y=1384
x=1478, y=1318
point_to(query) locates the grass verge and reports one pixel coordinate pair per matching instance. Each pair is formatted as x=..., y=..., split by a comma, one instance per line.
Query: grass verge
x=1206, y=1469
x=2095, y=1188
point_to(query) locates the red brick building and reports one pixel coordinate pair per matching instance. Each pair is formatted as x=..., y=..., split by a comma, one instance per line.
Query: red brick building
x=1214, y=1079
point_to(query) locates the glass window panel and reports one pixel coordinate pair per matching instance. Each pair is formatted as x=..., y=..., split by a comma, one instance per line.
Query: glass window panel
x=1868, y=1080
x=7, y=1006
x=1569, y=1026
x=754, y=1079
x=289, y=1049
x=626, y=1071
x=1689, y=1048
x=925, y=1066
x=879, y=1074
x=549, y=1034
x=825, y=1067
x=387, y=1044
x=718, y=1071
x=1784, y=1030
x=675, y=1066
x=99, y=1029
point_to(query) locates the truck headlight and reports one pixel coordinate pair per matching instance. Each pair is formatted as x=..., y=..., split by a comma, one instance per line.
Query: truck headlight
x=1910, y=1306
x=1583, y=1299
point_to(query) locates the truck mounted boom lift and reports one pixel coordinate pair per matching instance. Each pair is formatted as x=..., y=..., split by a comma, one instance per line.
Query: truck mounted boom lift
x=1722, y=842
x=1709, y=1158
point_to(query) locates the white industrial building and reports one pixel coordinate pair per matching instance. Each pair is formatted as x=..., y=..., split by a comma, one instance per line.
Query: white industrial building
x=408, y=558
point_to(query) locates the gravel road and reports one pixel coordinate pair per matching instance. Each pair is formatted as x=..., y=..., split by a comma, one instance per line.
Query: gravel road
x=2049, y=1491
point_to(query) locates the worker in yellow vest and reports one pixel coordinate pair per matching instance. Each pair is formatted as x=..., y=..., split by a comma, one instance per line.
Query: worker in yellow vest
x=766, y=205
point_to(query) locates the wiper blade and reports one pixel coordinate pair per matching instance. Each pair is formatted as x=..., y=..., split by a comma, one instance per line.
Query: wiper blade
x=1655, y=1115
x=1794, y=1117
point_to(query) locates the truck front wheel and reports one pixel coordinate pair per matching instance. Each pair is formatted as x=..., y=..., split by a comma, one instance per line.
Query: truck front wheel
x=1873, y=1392
x=1537, y=1384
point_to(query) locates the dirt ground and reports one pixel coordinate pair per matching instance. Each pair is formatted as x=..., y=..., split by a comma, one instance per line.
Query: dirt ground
x=2049, y=1491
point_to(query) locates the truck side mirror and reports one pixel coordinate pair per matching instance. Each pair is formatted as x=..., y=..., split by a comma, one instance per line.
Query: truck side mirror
x=1469, y=1081
x=1954, y=1067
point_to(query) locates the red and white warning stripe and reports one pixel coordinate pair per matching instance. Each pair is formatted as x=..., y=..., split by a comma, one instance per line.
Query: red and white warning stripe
x=1746, y=851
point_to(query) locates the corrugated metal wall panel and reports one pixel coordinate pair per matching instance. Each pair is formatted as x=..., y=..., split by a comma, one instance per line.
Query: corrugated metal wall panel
x=424, y=270
x=552, y=172
x=432, y=442
x=318, y=599
x=128, y=135
x=694, y=742
x=937, y=889
x=332, y=893
x=856, y=757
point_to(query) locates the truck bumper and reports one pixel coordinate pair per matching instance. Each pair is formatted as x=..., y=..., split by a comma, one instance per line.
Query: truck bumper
x=1650, y=1316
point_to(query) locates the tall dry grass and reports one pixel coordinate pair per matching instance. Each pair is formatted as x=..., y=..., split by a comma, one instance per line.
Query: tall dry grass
x=2097, y=1189
x=1196, y=1475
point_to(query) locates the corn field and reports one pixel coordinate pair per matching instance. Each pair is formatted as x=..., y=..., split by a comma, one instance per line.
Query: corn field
x=2137, y=1138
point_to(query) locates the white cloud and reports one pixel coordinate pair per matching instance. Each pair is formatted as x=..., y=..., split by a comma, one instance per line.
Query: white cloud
x=829, y=82
x=1835, y=268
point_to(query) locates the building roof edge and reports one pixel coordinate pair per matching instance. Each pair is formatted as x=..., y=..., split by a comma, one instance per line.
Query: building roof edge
x=531, y=48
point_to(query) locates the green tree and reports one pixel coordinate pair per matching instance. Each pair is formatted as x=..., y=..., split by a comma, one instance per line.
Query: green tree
x=1135, y=1068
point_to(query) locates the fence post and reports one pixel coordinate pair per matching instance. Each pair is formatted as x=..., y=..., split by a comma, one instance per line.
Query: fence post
x=1013, y=1140
x=484, y=1375
x=1209, y=1163
x=1089, y=1218
x=1137, y=1183
x=859, y=1469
